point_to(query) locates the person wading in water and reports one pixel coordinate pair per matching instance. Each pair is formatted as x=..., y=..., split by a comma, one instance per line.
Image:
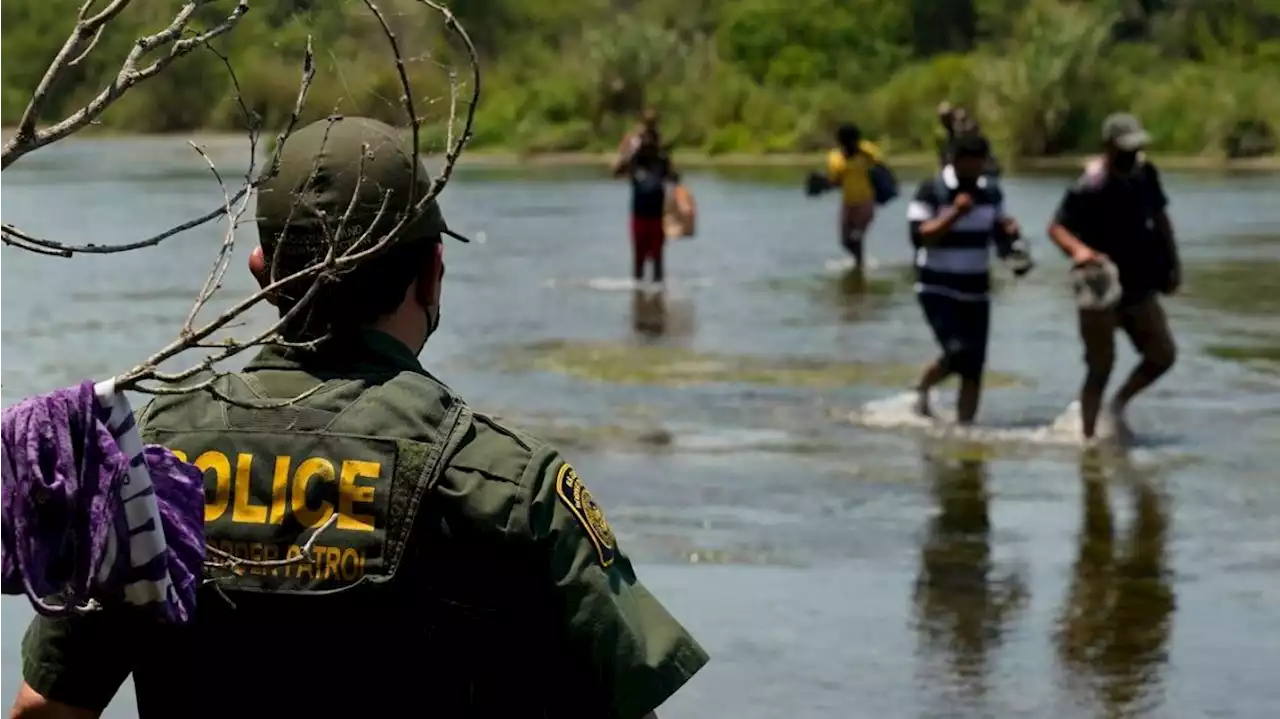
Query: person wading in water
x=649, y=123
x=849, y=167
x=1115, y=214
x=954, y=219
x=945, y=132
x=955, y=122
x=648, y=166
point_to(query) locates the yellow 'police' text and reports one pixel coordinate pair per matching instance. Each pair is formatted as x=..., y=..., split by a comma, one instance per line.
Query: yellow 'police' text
x=289, y=490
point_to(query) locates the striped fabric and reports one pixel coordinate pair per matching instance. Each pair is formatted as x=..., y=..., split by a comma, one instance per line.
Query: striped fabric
x=959, y=265
x=91, y=515
x=143, y=524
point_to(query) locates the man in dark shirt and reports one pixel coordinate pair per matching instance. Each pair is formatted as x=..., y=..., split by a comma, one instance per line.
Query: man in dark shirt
x=954, y=218
x=1117, y=211
x=649, y=168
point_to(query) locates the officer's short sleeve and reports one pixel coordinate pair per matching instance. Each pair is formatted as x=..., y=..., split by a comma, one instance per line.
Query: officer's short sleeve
x=642, y=653
x=80, y=661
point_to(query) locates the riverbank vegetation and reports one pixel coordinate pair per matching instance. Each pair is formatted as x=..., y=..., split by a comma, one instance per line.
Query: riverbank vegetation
x=730, y=76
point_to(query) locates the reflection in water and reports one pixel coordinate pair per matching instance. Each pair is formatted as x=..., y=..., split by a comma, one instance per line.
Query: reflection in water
x=853, y=294
x=653, y=315
x=1113, y=630
x=857, y=296
x=853, y=283
x=649, y=312
x=962, y=611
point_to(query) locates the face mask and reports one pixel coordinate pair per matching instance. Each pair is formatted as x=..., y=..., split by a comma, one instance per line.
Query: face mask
x=433, y=320
x=434, y=323
x=966, y=180
x=1124, y=162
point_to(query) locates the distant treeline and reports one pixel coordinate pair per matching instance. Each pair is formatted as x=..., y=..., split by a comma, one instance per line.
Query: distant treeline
x=728, y=75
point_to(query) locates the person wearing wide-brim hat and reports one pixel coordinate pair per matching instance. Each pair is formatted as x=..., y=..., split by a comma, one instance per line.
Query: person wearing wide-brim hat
x=1114, y=225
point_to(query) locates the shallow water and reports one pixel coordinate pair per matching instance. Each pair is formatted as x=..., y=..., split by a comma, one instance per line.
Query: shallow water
x=747, y=432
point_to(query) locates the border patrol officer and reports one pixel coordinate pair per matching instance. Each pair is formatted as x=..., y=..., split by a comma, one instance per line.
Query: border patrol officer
x=458, y=568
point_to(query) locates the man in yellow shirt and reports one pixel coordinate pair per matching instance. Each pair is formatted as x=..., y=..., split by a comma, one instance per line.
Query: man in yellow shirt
x=849, y=168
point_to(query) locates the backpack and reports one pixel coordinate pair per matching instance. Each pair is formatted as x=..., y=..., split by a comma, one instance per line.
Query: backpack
x=883, y=183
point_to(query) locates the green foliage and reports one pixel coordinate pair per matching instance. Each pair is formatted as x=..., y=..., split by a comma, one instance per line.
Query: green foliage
x=1032, y=81
x=729, y=76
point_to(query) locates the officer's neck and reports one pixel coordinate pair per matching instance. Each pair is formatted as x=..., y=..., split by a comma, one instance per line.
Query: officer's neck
x=409, y=329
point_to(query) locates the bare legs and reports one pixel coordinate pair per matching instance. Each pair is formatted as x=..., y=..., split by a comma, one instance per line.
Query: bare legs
x=1148, y=330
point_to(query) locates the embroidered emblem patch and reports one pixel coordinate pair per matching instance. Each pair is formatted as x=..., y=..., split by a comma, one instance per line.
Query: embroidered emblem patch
x=579, y=501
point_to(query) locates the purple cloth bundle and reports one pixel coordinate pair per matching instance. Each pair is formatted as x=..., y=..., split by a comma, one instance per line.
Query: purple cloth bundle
x=90, y=515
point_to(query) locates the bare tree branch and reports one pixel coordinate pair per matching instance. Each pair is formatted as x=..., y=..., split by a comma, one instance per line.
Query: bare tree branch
x=334, y=262
x=229, y=561
x=28, y=138
x=407, y=98
x=97, y=35
x=215, y=275
x=456, y=145
x=307, y=283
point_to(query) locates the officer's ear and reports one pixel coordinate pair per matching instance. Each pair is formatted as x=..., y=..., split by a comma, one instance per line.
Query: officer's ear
x=258, y=268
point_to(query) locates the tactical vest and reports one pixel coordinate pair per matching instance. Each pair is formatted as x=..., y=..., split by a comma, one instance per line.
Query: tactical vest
x=303, y=488
x=402, y=600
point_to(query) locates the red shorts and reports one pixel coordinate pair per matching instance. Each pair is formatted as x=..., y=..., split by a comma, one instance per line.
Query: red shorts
x=647, y=236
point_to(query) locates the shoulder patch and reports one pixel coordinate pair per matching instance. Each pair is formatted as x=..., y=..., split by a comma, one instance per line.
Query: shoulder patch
x=575, y=496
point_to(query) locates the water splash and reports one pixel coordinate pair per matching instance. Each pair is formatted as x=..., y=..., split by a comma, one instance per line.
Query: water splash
x=627, y=284
x=844, y=264
x=899, y=412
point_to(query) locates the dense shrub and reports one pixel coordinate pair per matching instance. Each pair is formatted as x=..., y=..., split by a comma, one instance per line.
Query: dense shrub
x=728, y=75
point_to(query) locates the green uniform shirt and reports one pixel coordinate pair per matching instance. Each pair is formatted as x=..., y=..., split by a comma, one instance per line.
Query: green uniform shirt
x=509, y=494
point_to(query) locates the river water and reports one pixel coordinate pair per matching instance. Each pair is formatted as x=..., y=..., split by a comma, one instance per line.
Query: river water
x=747, y=437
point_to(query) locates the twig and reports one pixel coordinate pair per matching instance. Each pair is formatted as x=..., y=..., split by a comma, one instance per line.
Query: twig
x=304, y=553
x=210, y=386
x=407, y=98
x=214, y=281
x=80, y=44
x=146, y=377
x=28, y=138
x=215, y=275
x=456, y=147
x=13, y=236
x=233, y=563
x=330, y=264
x=97, y=35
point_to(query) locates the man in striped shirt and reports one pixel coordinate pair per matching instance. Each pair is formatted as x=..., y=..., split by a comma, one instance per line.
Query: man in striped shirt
x=954, y=218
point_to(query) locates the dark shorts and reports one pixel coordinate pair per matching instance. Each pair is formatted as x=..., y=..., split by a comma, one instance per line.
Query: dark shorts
x=961, y=328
